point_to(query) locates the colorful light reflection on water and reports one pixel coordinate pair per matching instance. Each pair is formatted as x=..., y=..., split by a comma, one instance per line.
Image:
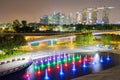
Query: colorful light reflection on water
x=67, y=66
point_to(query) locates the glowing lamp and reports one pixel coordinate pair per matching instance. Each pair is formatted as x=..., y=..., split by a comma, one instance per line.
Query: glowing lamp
x=38, y=72
x=27, y=75
x=66, y=65
x=108, y=58
x=49, y=69
x=80, y=61
x=58, y=67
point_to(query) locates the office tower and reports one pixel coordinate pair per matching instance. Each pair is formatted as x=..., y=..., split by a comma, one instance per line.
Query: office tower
x=78, y=18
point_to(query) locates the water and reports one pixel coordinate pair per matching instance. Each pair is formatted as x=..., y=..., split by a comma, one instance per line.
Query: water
x=64, y=67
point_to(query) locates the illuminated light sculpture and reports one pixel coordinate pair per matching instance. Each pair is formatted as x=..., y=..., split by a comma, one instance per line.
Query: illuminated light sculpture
x=58, y=67
x=86, y=59
x=61, y=70
x=27, y=75
x=73, y=58
x=41, y=61
x=80, y=61
x=73, y=68
x=84, y=64
x=35, y=67
x=48, y=64
x=46, y=75
x=66, y=64
x=54, y=62
x=64, y=60
x=78, y=57
x=101, y=60
x=108, y=58
x=91, y=58
x=49, y=69
x=38, y=72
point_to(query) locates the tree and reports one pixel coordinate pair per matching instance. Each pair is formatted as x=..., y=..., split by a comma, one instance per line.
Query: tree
x=85, y=38
x=106, y=38
x=9, y=42
x=16, y=25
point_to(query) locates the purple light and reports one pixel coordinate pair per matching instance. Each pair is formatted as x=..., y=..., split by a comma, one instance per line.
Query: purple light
x=46, y=60
x=41, y=61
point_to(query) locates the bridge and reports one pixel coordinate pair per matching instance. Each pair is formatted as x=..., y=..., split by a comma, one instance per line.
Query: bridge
x=67, y=37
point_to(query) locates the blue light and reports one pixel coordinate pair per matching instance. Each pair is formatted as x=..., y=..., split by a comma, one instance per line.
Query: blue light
x=84, y=65
x=93, y=63
x=46, y=75
x=108, y=58
x=61, y=70
x=101, y=60
x=74, y=68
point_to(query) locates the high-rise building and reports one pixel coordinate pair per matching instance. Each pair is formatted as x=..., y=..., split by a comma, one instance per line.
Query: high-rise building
x=69, y=19
x=89, y=16
x=94, y=16
x=84, y=16
x=56, y=17
x=105, y=14
x=62, y=19
x=44, y=20
x=78, y=18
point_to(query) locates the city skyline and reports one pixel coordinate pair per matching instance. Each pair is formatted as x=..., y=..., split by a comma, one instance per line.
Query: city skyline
x=33, y=10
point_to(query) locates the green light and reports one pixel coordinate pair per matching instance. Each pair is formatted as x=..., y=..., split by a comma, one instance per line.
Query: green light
x=59, y=61
x=69, y=59
x=73, y=58
x=48, y=64
x=65, y=60
x=54, y=63
x=77, y=57
x=35, y=67
x=42, y=65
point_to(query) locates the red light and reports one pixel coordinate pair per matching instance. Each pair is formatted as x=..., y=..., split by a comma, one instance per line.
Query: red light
x=58, y=67
x=80, y=61
x=91, y=58
x=27, y=75
x=86, y=60
x=49, y=69
x=73, y=62
x=38, y=72
x=66, y=65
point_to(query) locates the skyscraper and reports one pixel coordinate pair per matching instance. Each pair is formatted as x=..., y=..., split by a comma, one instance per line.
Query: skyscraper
x=94, y=16
x=84, y=16
x=78, y=18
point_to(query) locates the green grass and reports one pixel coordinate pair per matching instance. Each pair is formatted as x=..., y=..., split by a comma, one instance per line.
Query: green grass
x=15, y=53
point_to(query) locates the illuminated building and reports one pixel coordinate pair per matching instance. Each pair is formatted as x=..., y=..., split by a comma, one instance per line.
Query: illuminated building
x=78, y=18
x=84, y=16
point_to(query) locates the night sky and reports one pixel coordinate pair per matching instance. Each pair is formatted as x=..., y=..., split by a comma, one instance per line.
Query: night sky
x=33, y=10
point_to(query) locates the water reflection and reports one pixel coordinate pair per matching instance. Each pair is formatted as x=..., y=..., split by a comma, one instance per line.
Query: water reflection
x=67, y=66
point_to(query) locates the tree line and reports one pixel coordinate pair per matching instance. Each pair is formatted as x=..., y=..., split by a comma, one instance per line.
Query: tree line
x=10, y=42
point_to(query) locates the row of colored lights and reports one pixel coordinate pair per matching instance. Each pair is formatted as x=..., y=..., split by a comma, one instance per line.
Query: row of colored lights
x=67, y=59
x=59, y=61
